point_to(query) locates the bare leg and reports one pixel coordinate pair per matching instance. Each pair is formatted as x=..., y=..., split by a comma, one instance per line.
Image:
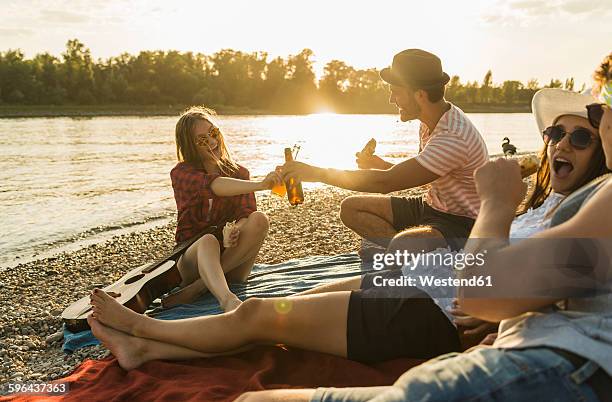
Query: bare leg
x=253, y=231
x=313, y=322
x=242, y=271
x=277, y=395
x=369, y=216
x=185, y=295
x=304, y=395
x=211, y=272
x=131, y=351
x=336, y=286
x=416, y=240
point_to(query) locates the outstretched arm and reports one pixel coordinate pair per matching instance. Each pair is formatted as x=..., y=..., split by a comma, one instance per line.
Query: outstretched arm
x=405, y=175
x=227, y=186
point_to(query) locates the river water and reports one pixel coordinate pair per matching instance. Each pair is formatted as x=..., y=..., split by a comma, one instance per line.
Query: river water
x=66, y=182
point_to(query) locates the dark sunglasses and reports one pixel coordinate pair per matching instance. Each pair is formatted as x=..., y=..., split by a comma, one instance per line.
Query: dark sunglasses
x=595, y=113
x=580, y=138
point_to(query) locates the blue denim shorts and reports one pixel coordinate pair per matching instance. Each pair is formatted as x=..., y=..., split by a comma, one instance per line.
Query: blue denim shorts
x=484, y=374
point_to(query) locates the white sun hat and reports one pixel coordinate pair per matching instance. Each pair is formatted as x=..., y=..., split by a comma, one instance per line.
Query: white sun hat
x=549, y=104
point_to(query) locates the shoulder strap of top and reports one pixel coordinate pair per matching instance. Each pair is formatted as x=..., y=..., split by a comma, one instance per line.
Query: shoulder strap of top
x=572, y=204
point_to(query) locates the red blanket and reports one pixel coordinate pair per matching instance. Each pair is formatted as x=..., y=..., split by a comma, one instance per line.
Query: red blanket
x=223, y=378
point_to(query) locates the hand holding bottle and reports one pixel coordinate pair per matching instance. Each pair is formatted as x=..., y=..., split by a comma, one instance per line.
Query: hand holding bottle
x=301, y=171
x=272, y=180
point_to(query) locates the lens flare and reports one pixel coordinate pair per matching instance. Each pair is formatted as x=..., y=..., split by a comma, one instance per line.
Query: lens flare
x=283, y=306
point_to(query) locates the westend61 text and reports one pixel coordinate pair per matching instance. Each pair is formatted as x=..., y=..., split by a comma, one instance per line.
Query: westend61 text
x=455, y=260
x=432, y=281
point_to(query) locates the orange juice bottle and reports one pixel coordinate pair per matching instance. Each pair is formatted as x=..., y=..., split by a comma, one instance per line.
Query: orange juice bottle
x=293, y=186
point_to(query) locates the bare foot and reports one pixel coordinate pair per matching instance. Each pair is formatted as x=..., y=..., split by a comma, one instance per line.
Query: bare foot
x=188, y=294
x=111, y=313
x=230, y=303
x=128, y=349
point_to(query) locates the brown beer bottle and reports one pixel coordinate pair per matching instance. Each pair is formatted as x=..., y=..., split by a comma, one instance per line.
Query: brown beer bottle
x=294, y=187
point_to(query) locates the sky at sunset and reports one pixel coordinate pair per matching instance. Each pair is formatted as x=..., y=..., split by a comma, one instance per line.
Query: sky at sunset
x=517, y=39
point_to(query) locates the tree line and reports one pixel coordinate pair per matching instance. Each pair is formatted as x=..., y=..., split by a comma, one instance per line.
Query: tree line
x=228, y=78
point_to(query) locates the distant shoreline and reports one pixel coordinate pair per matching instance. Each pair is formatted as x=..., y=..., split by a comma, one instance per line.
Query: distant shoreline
x=21, y=111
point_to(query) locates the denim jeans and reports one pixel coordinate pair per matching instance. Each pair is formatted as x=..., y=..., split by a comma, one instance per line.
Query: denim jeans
x=484, y=374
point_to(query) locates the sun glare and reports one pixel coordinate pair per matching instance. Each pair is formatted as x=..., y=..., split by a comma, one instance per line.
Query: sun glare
x=324, y=111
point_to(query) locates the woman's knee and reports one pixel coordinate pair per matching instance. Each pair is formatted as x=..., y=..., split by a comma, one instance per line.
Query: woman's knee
x=259, y=221
x=207, y=241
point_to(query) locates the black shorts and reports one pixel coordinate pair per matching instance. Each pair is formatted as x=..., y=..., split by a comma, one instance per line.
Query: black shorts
x=414, y=211
x=385, y=324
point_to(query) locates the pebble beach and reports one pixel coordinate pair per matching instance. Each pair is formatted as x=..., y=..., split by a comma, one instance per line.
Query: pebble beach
x=33, y=295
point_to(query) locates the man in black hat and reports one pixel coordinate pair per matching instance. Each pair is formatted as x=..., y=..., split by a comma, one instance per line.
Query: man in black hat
x=450, y=150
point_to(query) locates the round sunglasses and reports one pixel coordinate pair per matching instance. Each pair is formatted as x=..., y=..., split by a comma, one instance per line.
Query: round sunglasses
x=204, y=139
x=595, y=113
x=580, y=138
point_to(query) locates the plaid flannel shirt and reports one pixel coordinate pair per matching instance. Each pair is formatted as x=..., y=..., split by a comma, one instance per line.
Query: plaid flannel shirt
x=198, y=207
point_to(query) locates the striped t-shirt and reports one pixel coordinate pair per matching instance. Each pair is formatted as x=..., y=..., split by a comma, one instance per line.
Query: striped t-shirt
x=453, y=150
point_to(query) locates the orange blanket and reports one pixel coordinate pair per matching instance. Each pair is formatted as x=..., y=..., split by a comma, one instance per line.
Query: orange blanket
x=223, y=378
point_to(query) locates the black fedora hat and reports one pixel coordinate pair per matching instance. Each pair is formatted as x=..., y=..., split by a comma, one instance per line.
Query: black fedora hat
x=415, y=68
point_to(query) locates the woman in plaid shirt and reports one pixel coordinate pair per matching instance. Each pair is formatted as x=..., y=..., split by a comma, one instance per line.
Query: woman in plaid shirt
x=210, y=189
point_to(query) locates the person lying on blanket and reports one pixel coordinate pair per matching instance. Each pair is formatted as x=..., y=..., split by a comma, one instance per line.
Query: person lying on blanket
x=367, y=325
x=542, y=352
x=211, y=189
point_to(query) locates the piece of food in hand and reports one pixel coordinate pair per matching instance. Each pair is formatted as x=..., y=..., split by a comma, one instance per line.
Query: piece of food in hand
x=529, y=165
x=227, y=233
x=369, y=148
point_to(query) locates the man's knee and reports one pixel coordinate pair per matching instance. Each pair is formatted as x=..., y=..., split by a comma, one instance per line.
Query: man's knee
x=348, y=207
